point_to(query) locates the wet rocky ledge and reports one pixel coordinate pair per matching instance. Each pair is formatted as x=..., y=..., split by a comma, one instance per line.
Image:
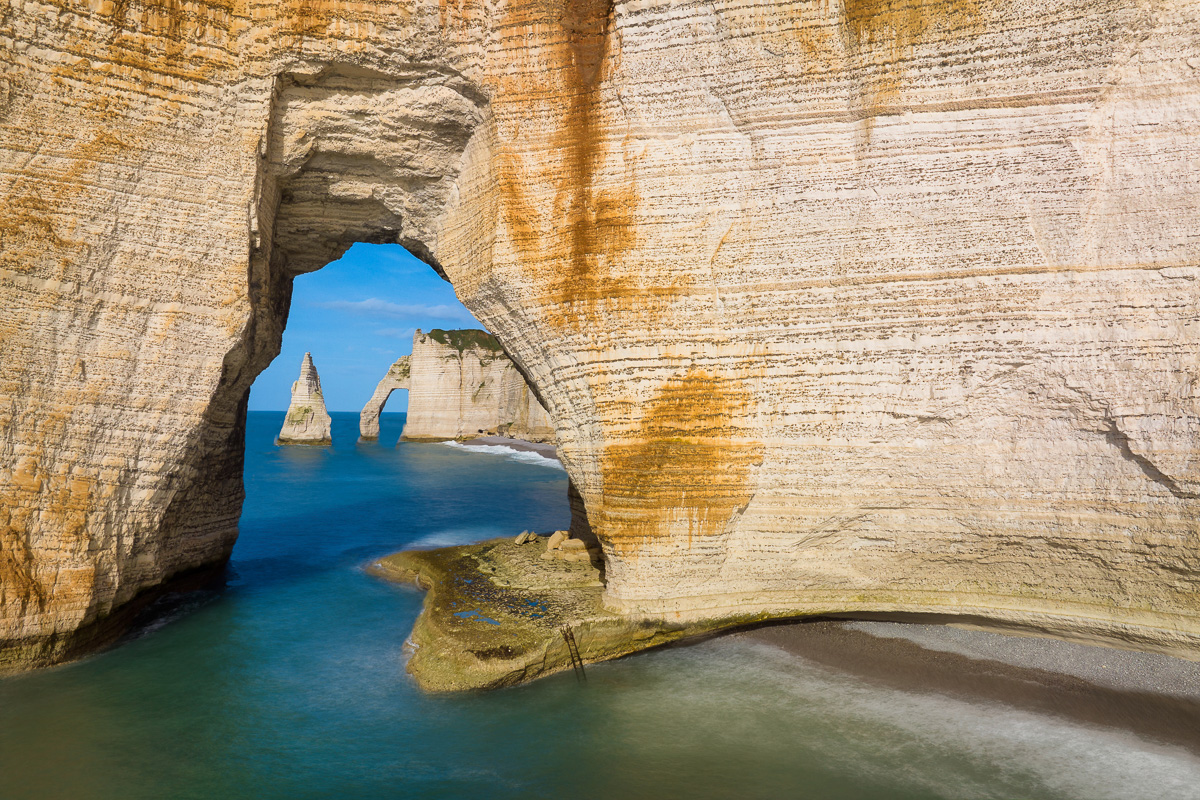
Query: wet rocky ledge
x=495, y=613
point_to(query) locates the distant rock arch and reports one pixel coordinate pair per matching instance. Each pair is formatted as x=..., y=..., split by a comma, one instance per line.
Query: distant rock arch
x=396, y=378
x=460, y=384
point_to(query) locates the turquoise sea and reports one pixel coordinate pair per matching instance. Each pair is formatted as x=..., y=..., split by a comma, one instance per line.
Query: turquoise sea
x=289, y=681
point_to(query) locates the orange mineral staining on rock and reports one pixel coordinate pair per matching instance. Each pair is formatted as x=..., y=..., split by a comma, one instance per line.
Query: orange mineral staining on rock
x=933, y=262
x=19, y=589
x=598, y=220
x=575, y=237
x=685, y=469
x=883, y=36
x=905, y=23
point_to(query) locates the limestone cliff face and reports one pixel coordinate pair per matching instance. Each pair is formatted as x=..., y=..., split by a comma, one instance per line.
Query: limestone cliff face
x=460, y=384
x=396, y=378
x=307, y=421
x=838, y=306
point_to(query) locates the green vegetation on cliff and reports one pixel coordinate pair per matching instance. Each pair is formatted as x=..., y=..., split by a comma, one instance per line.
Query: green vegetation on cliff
x=466, y=339
x=401, y=369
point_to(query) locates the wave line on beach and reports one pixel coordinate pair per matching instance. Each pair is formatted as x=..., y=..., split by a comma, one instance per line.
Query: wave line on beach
x=524, y=456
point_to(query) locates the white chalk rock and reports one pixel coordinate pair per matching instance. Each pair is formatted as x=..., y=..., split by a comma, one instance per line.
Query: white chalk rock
x=307, y=421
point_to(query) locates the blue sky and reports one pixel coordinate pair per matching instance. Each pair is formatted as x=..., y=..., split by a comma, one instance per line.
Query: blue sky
x=356, y=316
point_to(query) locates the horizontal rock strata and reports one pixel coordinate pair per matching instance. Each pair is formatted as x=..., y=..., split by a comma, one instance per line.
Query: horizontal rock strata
x=836, y=305
x=396, y=378
x=307, y=421
x=460, y=385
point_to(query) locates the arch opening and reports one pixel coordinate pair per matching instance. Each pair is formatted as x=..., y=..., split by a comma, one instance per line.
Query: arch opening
x=357, y=317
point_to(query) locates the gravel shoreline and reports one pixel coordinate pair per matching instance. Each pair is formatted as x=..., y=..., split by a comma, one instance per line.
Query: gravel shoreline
x=1155, y=696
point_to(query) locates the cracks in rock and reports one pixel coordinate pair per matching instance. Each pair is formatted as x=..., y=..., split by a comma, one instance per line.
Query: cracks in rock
x=921, y=418
x=949, y=413
x=719, y=302
x=834, y=527
x=339, y=77
x=1120, y=440
x=729, y=531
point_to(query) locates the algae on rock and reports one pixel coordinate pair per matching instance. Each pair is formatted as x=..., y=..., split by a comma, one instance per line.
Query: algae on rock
x=494, y=613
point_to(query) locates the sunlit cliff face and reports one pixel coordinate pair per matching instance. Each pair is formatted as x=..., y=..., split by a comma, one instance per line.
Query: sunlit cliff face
x=837, y=306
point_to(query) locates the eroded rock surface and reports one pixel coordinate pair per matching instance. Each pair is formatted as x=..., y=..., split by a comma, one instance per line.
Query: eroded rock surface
x=307, y=421
x=462, y=385
x=397, y=377
x=838, y=306
x=495, y=615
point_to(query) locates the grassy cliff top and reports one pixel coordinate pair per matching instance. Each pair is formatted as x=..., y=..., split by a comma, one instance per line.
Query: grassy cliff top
x=466, y=339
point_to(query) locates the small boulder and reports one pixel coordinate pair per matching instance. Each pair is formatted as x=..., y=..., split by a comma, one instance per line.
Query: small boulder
x=556, y=539
x=573, y=544
x=522, y=537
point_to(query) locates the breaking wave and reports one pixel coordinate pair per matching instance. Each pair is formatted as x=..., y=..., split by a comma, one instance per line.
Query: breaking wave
x=524, y=456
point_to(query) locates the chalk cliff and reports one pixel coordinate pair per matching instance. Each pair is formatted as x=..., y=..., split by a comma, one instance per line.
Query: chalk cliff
x=396, y=378
x=838, y=306
x=460, y=384
x=307, y=421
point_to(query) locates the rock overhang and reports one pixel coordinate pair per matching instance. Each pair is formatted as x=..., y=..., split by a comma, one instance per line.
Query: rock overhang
x=886, y=303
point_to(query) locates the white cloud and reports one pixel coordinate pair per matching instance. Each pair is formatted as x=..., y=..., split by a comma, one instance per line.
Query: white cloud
x=375, y=307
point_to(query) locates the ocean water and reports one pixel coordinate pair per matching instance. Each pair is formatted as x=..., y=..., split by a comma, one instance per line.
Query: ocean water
x=289, y=682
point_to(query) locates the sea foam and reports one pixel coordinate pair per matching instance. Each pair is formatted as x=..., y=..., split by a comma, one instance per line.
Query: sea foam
x=524, y=456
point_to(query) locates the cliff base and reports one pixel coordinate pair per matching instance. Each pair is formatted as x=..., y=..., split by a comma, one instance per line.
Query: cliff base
x=22, y=655
x=495, y=611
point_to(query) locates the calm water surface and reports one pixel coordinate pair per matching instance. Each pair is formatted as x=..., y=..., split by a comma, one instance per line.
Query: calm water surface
x=290, y=683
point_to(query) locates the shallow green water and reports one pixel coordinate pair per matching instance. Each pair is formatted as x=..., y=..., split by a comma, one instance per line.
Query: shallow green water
x=289, y=682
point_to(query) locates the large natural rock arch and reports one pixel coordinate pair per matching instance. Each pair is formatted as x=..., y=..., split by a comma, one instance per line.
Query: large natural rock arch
x=839, y=306
x=394, y=380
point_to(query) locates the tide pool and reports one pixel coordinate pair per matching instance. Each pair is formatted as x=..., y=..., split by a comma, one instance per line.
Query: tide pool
x=289, y=682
